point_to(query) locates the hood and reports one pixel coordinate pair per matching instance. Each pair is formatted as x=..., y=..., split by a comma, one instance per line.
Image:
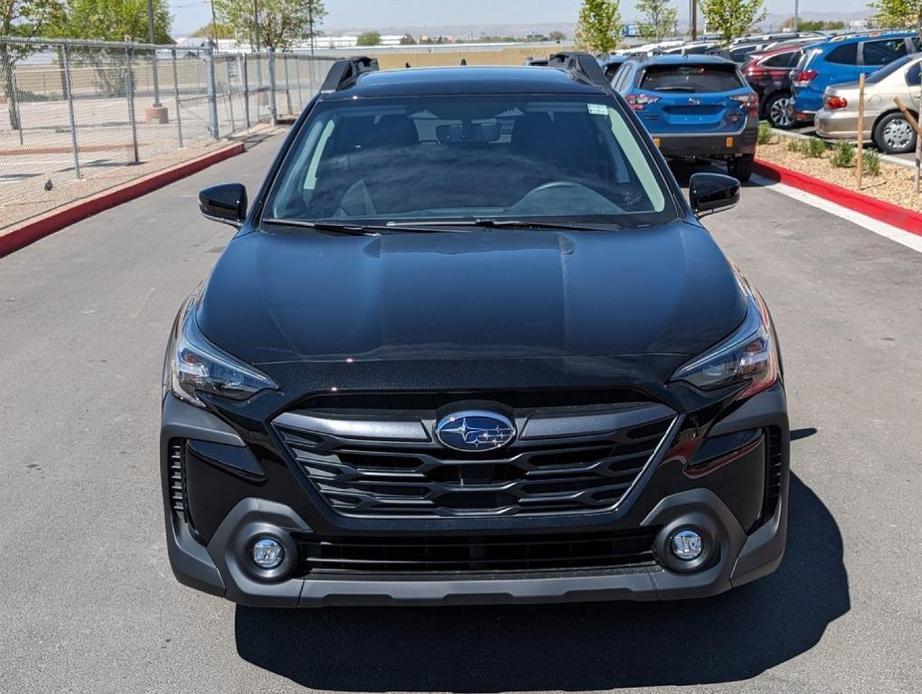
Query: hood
x=296, y=297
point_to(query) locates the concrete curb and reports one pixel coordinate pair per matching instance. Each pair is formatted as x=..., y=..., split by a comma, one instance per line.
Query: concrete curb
x=886, y=212
x=32, y=230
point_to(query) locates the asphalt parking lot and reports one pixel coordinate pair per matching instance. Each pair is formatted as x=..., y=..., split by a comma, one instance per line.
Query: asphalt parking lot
x=88, y=603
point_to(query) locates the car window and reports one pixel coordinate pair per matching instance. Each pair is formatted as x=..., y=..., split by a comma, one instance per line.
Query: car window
x=883, y=52
x=846, y=54
x=914, y=75
x=691, y=78
x=781, y=60
x=889, y=69
x=739, y=55
x=463, y=157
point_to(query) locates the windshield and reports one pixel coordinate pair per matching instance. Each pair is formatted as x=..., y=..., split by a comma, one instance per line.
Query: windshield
x=469, y=158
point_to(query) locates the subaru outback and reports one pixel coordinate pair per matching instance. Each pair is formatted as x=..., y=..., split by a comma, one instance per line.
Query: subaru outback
x=471, y=344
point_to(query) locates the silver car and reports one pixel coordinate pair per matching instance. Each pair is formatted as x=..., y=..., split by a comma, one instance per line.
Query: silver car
x=884, y=124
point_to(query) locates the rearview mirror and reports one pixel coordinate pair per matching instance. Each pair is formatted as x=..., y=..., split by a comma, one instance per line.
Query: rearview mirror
x=711, y=192
x=225, y=203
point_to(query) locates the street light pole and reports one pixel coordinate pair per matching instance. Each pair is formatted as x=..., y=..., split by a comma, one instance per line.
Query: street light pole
x=256, y=22
x=150, y=37
x=796, y=15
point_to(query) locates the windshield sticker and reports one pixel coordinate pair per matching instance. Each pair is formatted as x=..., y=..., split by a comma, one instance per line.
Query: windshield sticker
x=598, y=109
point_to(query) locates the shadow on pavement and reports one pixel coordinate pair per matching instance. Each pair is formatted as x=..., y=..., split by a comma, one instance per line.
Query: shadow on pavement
x=732, y=637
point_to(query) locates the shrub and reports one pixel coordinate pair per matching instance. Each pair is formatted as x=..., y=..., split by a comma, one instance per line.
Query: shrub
x=870, y=162
x=765, y=132
x=815, y=147
x=798, y=145
x=843, y=155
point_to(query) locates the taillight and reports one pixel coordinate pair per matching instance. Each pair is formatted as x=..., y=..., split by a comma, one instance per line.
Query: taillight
x=755, y=72
x=638, y=102
x=834, y=102
x=804, y=77
x=750, y=101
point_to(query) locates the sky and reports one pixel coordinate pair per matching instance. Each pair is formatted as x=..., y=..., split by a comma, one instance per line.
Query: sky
x=190, y=14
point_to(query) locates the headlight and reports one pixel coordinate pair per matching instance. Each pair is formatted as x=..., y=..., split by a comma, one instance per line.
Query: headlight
x=748, y=355
x=194, y=365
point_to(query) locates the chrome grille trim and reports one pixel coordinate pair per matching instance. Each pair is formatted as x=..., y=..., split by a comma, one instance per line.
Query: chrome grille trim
x=562, y=463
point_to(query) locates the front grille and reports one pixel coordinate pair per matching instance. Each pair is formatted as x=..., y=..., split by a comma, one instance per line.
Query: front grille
x=374, y=465
x=177, y=478
x=415, y=555
x=773, y=472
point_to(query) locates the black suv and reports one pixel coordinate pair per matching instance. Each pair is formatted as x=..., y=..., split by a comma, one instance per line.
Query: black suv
x=472, y=345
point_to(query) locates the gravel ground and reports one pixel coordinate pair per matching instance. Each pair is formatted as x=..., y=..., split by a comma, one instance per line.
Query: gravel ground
x=894, y=183
x=26, y=199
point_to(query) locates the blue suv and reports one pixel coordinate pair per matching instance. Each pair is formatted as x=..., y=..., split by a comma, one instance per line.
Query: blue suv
x=694, y=106
x=843, y=59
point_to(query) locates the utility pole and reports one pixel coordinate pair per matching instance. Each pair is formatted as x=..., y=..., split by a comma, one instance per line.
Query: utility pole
x=156, y=113
x=310, y=23
x=256, y=22
x=214, y=27
x=796, y=15
x=693, y=15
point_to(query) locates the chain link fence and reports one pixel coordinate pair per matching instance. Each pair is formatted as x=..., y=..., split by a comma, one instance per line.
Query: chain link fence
x=74, y=109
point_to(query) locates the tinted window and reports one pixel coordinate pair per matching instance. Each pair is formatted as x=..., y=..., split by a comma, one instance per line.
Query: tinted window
x=739, y=55
x=883, y=52
x=781, y=60
x=914, y=75
x=844, y=55
x=467, y=157
x=691, y=78
x=888, y=70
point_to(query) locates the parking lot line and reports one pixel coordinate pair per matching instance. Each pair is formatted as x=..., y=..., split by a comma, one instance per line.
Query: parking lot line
x=888, y=231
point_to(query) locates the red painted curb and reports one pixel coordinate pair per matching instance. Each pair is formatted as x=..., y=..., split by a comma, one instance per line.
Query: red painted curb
x=859, y=202
x=33, y=230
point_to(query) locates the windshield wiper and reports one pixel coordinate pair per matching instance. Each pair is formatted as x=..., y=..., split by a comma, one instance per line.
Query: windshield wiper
x=489, y=223
x=345, y=227
x=540, y=224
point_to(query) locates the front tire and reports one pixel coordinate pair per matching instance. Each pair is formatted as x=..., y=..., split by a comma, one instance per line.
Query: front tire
x=779, y=111
x=894, y=135
x=740, y=167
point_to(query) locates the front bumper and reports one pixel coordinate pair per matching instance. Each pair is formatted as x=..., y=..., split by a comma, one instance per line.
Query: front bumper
x=708, y=146
x=721, y=504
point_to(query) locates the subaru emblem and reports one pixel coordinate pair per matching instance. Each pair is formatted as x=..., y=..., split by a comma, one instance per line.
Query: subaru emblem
x=475, y=430
x=692, y=101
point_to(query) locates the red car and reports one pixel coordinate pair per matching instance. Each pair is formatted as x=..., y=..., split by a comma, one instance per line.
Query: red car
x=768, y=73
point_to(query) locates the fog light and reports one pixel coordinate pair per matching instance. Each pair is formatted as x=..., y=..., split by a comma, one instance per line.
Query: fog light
x=268, y=553
x=687, y=545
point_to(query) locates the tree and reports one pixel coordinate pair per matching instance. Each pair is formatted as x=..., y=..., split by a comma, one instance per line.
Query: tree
x=407, y=40
x=115, y=20
x=659, y=19
x=732, y=18
x=599, y=26
x=369, y=38
x=280, y=23
x=224, y=31
x=22, y=18
x=899, y=13
x=557, y=36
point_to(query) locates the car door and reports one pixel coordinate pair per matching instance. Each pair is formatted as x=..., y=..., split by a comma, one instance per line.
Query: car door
x=874, y=54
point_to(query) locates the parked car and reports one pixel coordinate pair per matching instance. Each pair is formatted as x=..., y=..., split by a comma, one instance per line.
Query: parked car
x=694, y=106
x=611, y=63
x=842, y=59
x=776, y=37
x=694, y=48
x=471, y=344
x=884, y=123
x=769, y=74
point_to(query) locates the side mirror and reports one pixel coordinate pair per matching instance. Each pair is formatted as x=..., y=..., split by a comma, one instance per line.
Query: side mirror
x=710, y=192
x=225, y=203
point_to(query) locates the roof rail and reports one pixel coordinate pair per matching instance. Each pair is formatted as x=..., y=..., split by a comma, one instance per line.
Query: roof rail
x=345, y=71
x=583, y=64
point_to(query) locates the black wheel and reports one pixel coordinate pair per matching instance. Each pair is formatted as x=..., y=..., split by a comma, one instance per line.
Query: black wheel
x=740, y=167
x=779, y=111
x=894, y=135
